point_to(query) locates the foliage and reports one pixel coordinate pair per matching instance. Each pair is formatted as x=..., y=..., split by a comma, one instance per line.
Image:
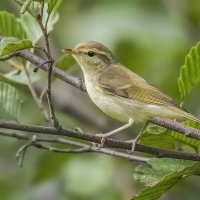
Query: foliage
x=10, y=26
x=9, y=45
x=190, y=72
x=10, y=103
x=162, y=174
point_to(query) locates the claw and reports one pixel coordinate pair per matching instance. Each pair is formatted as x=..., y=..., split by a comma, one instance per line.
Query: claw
x=103, y=139
x=134, y=142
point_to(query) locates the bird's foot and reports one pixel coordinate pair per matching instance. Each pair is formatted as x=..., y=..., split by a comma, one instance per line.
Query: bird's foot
x=134, y=142
x=103, y=139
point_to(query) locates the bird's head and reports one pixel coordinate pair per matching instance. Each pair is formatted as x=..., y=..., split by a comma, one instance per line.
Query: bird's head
x=91, y=55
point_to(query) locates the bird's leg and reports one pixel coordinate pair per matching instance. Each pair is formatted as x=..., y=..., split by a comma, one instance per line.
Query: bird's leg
x=134, y=142
x=105, y=135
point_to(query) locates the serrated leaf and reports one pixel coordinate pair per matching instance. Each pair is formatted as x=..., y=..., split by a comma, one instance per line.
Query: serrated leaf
x=160, y=137
x=10, y=44
x=65, y=62
x=156, y=136
x=9, y=26
x=10, y=103
x=53, y=5
x=162, y=174
x=190, y=72
x=184, y=139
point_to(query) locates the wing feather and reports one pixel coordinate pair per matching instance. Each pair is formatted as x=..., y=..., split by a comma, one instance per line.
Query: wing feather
x=120, y=81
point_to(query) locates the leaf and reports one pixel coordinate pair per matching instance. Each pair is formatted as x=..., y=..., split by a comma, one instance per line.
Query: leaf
x=11, y=44
x=194, y=143
x=190, y=72
x=9, y=26
x=53, y=5
x=186, y=140
x=10, y=103
x=166, y=139
x=65, y=62
x=157, y=136
x=162, y=174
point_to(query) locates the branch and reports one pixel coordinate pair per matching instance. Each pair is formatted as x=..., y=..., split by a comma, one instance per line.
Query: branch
x=64, y=76
x=82, y=148
x=109, y=143
x=178, y=127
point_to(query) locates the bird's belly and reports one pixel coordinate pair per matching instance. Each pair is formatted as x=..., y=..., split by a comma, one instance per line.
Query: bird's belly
x=117, y=107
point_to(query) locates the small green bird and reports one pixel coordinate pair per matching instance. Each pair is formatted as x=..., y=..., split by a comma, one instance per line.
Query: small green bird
x=121, y=93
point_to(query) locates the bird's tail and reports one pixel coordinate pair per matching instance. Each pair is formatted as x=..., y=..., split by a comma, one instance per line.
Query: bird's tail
x=189, y=116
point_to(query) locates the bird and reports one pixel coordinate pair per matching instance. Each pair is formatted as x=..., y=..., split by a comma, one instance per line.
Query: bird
x=121, y=93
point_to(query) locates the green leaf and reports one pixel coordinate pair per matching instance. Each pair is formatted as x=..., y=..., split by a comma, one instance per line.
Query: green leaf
x=10, y=103
x=194, y=143
x=65, y=62
x=11, y=44
x=162, y=174
x=160, y=137
x=53, y=5
x=157, y=136
x=10, y=26
x=190, y=72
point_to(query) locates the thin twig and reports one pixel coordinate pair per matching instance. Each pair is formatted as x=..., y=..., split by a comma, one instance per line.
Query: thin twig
x=50, y=68
x=59, y=140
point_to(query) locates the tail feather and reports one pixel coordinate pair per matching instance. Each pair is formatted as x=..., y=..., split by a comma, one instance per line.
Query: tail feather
x=189, y=116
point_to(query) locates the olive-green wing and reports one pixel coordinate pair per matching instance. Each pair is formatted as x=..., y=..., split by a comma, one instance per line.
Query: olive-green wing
x=122, y=82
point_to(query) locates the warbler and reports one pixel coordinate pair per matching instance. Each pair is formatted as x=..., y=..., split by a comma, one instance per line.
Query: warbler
x=121, y=93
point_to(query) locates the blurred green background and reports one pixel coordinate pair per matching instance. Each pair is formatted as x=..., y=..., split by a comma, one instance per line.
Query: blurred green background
x=150, y=37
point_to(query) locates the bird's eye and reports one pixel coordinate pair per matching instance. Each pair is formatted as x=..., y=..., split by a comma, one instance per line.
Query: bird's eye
x=91, y=53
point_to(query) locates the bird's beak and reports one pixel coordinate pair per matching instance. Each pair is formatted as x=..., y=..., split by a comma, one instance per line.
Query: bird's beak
x=68, y=51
